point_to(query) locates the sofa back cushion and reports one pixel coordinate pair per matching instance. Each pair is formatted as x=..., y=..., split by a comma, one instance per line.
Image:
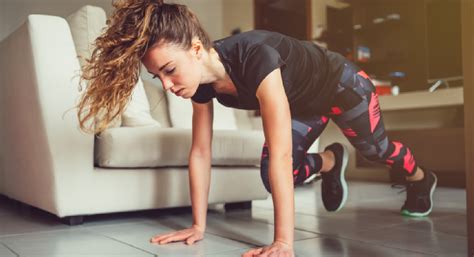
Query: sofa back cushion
x=86, y=25
x=181, y=113
x=158, y=102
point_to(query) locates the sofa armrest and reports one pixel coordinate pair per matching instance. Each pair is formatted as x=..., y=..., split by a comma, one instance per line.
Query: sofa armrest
x=41, y=141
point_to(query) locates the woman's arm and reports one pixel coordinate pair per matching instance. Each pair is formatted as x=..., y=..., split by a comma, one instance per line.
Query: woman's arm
x=276, y=118
x=200, y=161
x=199, y=177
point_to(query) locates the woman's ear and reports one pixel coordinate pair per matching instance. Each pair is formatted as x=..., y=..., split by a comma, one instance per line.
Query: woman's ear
x=197, y=47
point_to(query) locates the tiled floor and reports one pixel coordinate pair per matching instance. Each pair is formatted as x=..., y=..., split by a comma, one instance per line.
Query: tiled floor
x=369, y=225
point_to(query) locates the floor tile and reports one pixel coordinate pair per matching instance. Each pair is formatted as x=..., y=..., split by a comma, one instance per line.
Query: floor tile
x=336, y=247
x=453, y=225
x=234, y=253
x=419, y=241
x=5, y=252
x=74, y=242
x=248, y=231
x=370, y=198
x=14, y=224
x=368, y=225
x=337, y=225
x=88, y=255
x=139, y=235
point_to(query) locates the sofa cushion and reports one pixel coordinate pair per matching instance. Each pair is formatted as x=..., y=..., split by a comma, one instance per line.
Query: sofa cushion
x=137, y=112
x=86, y=25
x=181, y=113
x=158, y=102
x=153, y=146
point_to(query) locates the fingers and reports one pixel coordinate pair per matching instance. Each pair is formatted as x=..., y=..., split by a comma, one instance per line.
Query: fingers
x=252, y=252
x=192, y=239
x=185, y=235
x=167, y=238
x=158, y=238
x=174, y=238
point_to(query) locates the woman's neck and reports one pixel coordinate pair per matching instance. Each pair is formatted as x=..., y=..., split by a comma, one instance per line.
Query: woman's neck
x=220, y=80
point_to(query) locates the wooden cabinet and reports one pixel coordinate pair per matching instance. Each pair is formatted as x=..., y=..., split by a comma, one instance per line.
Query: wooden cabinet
x=411, y=43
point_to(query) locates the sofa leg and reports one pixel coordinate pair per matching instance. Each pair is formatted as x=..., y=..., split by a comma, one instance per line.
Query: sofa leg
x=73, y=220
x=238, y=206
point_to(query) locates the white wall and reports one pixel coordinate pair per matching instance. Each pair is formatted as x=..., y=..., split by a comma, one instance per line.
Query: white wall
x=14, y=12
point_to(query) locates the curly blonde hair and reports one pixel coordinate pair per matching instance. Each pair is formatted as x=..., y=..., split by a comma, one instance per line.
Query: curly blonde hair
x=114, y=66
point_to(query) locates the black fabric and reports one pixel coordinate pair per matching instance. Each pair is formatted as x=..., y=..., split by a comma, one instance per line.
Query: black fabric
x=310, y=73
x=204, y=94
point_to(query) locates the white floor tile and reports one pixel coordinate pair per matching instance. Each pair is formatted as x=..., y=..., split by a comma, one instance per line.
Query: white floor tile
x=74, y=242
x=336, y=247
x=5, y=252
x=248, y=231
x=139, y=235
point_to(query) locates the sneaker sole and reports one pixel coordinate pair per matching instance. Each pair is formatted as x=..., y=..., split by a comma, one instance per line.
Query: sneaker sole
x=423, y=214
x=345, y=159
x=310, y=178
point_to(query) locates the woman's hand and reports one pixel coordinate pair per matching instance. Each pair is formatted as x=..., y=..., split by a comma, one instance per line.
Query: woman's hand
x=275, y=249
x=189, y=236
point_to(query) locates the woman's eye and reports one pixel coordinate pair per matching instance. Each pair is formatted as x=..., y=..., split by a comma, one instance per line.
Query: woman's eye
x=170, y=71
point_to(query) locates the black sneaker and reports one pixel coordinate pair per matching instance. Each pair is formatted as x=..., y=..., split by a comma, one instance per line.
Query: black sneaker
x=334, y=186
x=419, y=202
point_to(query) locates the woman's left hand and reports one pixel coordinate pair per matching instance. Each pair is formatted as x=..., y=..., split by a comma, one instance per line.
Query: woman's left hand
x=277, y=248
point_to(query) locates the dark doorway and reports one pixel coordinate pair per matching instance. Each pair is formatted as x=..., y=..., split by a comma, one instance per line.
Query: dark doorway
x=289, y=17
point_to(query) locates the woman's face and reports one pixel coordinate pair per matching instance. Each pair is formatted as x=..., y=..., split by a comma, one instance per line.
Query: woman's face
x=179, y=70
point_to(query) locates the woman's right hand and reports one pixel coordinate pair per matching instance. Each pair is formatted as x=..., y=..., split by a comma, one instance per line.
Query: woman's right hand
x=189, y=236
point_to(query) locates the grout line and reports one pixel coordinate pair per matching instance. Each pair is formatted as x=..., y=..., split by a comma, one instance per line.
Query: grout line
x=232, y=239
x=11, y=250
x=117, y=240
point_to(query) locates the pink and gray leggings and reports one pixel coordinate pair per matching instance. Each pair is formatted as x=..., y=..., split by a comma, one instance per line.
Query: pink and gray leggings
x=357, y=113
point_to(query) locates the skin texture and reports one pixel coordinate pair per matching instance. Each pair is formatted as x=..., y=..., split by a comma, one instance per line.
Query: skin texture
x=182, y=71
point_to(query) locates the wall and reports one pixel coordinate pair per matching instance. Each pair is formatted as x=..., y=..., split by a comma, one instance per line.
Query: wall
x=237, y=14
x=14, y=12
x=209, y=13
x=219, y=17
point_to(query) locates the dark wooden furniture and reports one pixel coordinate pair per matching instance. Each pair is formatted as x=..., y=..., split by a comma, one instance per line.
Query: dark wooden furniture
x=421, y=39
x=289, y=17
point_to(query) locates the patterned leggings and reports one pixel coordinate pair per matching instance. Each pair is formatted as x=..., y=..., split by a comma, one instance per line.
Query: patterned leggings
x=357, y=113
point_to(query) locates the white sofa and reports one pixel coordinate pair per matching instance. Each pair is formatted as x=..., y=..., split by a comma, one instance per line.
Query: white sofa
x=48, y=163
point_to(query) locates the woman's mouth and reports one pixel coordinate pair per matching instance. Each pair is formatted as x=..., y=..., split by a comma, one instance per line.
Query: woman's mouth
x=180, y=92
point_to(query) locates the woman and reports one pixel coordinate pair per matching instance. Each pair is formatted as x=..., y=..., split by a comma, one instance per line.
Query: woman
x=296, y=85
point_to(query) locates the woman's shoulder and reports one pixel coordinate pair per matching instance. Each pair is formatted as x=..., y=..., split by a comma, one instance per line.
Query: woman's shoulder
x=249, y=38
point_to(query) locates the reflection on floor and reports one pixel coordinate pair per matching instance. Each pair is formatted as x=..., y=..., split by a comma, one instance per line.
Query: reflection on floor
x=369, y=225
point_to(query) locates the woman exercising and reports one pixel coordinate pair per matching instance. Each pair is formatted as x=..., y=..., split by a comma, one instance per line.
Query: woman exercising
x=296, y=85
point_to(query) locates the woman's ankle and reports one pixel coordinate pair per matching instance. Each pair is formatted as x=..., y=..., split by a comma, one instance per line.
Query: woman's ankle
x=419, y=175
x=329, y=160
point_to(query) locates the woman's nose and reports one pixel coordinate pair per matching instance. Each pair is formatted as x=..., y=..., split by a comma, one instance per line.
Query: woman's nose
x=167, y=84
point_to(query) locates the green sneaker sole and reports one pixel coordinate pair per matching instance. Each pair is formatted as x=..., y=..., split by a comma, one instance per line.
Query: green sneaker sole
x=414, y=214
